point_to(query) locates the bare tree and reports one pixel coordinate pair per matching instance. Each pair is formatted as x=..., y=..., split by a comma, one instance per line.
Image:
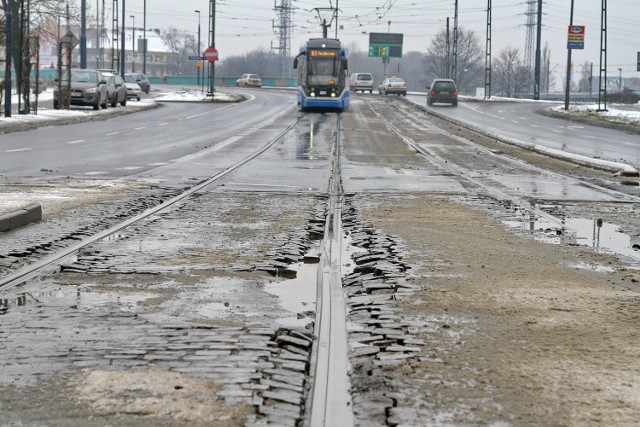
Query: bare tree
x=584, y=84
x=174, y=39
x=260, y=61
x=512, y=77
x=470, y=59
x=23, y=36
x=547, y=78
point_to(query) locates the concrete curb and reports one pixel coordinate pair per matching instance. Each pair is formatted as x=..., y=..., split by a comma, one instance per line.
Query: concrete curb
x=18, y=218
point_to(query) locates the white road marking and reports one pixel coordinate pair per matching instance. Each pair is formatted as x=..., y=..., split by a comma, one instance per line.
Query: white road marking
x=157, y=164
x=140, y=128
x=162, y=124
x=19, y=149
x=112, y=133
x=129, y=168
x=95, y=173
x=77, y=142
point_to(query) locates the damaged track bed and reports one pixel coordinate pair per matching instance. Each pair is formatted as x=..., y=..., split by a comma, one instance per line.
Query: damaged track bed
x=177, y=301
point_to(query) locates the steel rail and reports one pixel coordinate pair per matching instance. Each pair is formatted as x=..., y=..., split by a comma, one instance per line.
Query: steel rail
x=495, y=192
x=630, y=198
x=330, y=398
x=51, y=261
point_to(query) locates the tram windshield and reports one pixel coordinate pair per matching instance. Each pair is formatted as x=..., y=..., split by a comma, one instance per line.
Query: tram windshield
x=324, y=66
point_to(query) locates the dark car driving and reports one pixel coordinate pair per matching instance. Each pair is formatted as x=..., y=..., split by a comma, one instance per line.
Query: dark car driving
x=442, y=90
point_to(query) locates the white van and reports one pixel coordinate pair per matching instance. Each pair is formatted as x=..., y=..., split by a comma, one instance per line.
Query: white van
x=361, y=82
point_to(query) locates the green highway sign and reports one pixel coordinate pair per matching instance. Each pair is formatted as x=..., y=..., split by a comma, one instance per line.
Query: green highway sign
x=385, y=45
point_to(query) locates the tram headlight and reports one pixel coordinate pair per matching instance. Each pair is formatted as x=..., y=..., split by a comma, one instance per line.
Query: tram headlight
x=313, y=94
x=333, y=94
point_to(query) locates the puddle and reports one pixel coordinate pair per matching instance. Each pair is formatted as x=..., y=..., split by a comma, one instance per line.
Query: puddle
x=599, y=235
x=298, y=295
x=77, y=297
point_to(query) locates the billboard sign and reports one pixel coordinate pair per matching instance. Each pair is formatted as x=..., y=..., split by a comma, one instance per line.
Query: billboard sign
x=385, y=45
x=575, y=37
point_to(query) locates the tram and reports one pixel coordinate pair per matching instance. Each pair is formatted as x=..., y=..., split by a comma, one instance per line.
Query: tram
x=322, y=66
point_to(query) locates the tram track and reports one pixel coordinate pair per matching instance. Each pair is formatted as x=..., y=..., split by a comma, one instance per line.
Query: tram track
x=525, y=203
x=329, y=399
x=52, y=260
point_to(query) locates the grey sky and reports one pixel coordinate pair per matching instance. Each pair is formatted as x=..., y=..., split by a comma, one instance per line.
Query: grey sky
x=244, y=25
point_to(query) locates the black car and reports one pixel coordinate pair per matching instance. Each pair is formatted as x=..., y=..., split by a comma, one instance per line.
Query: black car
x=139, y=78
x=442, y=90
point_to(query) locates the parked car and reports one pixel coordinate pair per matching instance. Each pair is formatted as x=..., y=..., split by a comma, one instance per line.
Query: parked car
x=361, y=82
x=88, y=88
x=442, y=90
x=141, y=79
x=133, y=89
x=116, y=90
x=249, y=80
x=393, y=85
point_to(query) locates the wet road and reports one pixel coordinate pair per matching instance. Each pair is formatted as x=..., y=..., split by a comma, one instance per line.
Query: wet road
x=132, y=143
x=519, y=120
x=195, y=305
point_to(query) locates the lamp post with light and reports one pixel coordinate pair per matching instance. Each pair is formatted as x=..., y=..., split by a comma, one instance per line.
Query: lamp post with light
x=198, y=68
x=133, y=45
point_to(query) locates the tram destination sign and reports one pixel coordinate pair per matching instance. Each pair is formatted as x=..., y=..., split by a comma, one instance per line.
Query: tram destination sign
x=385, y=45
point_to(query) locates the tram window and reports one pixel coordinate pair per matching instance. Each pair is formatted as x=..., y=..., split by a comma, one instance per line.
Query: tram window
x=321, y=71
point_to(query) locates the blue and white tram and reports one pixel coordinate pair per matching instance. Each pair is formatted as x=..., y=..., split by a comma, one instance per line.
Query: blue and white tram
x=322, y=75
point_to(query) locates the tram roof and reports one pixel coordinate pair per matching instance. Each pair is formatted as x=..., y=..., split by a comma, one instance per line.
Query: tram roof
x=323, y=43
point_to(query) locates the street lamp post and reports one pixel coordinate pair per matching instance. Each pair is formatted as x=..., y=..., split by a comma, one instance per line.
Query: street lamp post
x=466, y=81
x=619, y=80
x=198, y=68
x=133, y=45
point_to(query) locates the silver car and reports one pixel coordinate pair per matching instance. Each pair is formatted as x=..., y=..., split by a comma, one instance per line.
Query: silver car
x=88, y=87
x=393, y=85
x=116, y=89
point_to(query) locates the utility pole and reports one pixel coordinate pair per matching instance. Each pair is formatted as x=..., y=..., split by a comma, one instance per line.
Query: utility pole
x=602, y=85
x=83, y=34
x=133, y=44
x=199, y=49
x=568, y=81
x=536, y=85
x=487, y=57
x=212, y=43
x=283, y=32
x=122, y=47
x=97, y=33
x=7, y=67
x=447, y=46
x=528, y=44
x=144, y=36
x=454, y=71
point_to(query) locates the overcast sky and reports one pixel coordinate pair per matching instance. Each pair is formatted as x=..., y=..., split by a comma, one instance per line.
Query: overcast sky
x=244, y=25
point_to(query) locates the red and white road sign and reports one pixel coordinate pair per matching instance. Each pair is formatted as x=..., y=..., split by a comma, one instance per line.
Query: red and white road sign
x=211, y=54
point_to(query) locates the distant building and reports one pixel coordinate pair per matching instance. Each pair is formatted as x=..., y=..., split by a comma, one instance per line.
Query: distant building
x=103, y=54
x=615, y=84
